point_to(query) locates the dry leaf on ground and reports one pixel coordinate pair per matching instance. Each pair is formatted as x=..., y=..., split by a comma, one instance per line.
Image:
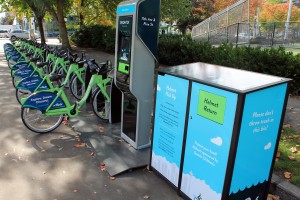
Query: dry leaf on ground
x=79, y=145
x=278, y=154
x=101, y=129
x=287, y=126
x=293, y=149
x=291, y=157
x=287, y=175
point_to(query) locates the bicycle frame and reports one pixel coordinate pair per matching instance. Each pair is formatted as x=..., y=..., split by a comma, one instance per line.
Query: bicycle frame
x=59, y=104
x=37, y=84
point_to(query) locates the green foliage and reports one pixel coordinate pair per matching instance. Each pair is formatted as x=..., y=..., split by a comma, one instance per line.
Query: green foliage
x=95, y=36
x=175, y=50
x=289, y=139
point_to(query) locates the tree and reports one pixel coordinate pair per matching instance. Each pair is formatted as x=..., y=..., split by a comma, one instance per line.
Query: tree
x=173, y=10
x=200, y=11
x=7, y=19
x=27, y=7
x=39, y=11
x=56, y=9
x=278, y=12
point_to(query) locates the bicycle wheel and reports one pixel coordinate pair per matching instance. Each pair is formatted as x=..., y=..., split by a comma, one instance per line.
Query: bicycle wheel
x=37, y=122
x=60, y=81
x=22, y=93
x=77, y=87
x=15, y=80
x=101, y=107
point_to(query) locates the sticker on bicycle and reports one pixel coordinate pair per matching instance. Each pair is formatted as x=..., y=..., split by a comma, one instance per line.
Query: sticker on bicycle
x=43, y=100
x=23, y=73
x=15, y=58
x=20, y=65
x=33, y=83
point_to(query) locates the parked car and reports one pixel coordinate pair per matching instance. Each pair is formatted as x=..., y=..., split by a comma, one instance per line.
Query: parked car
x=21, y=34
x=3, y=33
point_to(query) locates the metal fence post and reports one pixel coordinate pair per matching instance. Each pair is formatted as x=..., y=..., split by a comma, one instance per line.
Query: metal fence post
x=273, y=34
x=237, y=35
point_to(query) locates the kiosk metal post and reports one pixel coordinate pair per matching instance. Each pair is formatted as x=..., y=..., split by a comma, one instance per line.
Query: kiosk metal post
x=135, y=62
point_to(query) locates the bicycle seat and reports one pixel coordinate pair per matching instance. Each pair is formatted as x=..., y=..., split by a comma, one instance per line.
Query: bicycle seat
x=34, y=59
x=42, y=64
x=81, y=63
x=56, y=77
x=29, y=54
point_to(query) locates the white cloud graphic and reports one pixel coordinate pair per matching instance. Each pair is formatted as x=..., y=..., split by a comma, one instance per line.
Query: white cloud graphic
x=268, y=146
x=158, y=88
x=217, y=141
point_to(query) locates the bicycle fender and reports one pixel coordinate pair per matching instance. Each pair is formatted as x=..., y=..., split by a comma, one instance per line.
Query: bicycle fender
x=31, y=83
x=21, y=65
x=26, y=72
x=42, y=100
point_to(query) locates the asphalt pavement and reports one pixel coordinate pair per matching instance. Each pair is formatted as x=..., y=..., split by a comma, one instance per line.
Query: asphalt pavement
x=49, y=166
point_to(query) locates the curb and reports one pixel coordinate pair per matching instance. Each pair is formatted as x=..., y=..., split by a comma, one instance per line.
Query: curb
x=284, y=189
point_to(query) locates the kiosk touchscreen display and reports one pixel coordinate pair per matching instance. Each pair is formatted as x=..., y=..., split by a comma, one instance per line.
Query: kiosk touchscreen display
x=124, y=43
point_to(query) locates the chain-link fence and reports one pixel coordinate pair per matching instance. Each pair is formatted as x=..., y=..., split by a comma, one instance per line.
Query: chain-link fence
x=262, y=34
x=217, y=29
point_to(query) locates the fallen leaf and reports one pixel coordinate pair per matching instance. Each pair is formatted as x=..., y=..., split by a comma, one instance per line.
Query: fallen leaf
x=298, y=152
x=112, y=178
x=293, y=149
x=291, y=157
x=276, y=159
x=79, y=145
x=64, y=122
x=101, y=129
x=287, y=126
x=102, y=169
x=287, y=175
x=278, y=154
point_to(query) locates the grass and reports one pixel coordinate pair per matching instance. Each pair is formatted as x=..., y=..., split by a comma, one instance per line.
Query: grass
x=288, y=158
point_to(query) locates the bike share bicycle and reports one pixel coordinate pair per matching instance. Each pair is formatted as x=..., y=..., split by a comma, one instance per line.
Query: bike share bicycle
x=44, y=111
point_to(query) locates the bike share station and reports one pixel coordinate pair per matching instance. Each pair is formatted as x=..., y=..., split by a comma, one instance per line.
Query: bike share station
x=135, y=63
x=216, y=130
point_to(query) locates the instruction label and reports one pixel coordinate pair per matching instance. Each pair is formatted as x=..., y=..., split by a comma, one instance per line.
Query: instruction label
x=211, y=106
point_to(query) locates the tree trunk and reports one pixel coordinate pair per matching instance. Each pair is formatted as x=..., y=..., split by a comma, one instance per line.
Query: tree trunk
x=62, y=25
x=41, y=29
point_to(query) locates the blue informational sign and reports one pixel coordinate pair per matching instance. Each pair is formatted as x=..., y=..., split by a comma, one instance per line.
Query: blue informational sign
x=26, y=72
x=170, y=115
x=21, y=65
x=42, y=100
x=211, y=120
x=125, y=9
x=256, y=146
x=31, y=83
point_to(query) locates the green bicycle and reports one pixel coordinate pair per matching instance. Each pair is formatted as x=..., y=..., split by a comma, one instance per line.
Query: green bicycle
x=44, y=111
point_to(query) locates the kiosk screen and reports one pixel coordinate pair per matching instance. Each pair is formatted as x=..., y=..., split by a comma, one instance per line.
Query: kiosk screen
x=124, y=43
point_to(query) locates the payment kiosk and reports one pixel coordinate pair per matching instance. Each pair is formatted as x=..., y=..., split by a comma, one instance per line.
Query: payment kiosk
x=135, y=62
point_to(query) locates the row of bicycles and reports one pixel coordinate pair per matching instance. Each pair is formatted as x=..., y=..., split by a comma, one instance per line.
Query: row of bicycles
x=47, y=80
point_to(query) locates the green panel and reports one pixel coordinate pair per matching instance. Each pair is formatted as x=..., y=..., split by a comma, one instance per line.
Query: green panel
x=123, y=67
x=211, y=106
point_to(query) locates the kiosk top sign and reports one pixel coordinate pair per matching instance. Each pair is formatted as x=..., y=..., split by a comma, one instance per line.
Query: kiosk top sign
x=125, y=9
